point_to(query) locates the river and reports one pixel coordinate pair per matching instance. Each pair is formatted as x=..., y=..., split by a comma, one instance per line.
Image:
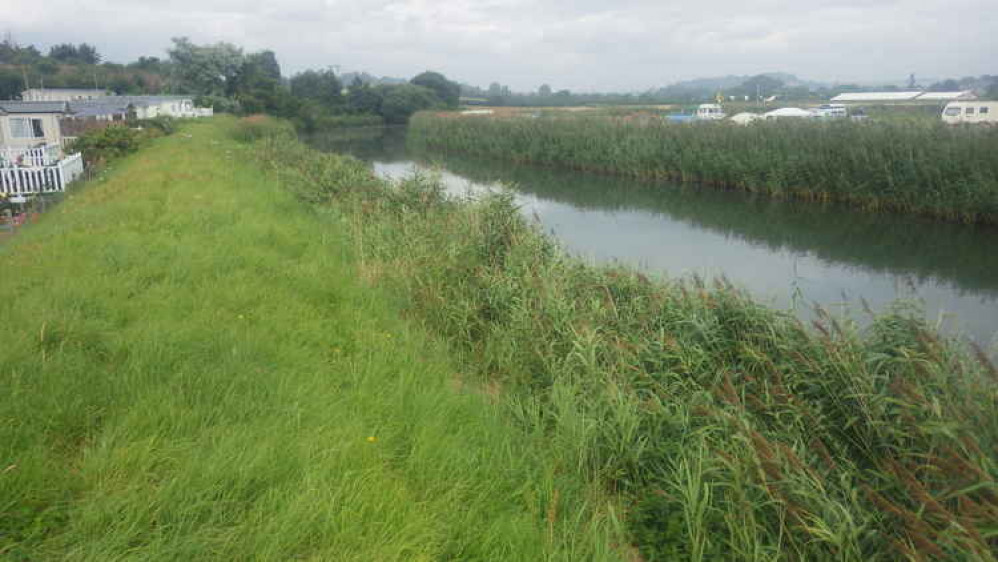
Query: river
x=787, y=254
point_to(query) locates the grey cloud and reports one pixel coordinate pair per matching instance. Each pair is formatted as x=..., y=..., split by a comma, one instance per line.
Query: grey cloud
x=584, y=44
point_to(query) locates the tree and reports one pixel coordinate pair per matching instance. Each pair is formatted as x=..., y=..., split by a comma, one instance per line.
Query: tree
x=945, y=86
x=257, y=84
x=320, y=86
x=403, y=100
x=544, y=91
x=362, y=98
x=64, y=52
x=11, y=83
x=206, y=69
x=448, y=92
x=87, y=54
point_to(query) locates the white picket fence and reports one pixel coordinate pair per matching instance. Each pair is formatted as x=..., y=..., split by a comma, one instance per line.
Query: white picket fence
x=20, y=182
x=46, y=155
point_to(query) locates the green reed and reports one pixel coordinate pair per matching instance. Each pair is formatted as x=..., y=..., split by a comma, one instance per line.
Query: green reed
x=911, y=167
x=731, y=431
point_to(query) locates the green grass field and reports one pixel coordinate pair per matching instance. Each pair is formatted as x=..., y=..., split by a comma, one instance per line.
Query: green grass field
x=192, y=370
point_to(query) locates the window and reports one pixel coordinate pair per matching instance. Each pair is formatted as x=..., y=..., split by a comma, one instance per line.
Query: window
x=982, y=110
x=952, y=111
x=26, y=128
x=969, y=111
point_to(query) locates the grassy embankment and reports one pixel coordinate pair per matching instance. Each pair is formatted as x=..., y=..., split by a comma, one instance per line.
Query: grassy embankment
x=191, y=371
x=934, y=170
x=731, y=431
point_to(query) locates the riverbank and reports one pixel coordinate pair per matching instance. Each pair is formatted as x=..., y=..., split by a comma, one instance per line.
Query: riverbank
x=730, y=430
x=192, y=370
x=943, y=172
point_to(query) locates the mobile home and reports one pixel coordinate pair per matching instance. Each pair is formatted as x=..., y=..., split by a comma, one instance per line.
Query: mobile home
x=957, y=112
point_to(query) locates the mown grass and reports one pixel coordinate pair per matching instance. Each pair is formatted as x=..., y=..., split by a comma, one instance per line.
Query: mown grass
x=731, y=431
x=191, y=370
x=911, y=167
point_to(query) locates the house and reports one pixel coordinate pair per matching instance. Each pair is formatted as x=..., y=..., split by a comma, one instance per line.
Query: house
x=61, y=94
x=27, y=124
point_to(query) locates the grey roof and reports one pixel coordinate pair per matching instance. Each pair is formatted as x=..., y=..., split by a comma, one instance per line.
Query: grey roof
x=33, y=107
x=116, y=105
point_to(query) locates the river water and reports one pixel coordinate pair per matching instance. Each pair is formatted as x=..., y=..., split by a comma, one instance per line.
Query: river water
x=789, y=255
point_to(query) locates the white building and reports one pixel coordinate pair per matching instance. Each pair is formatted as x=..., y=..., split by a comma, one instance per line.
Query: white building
x=27, y=124
x=114, y=108
x=61, y=94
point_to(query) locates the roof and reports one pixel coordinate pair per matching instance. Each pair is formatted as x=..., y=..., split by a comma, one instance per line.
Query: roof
x=789, y=112
x=942, y=96
x=111, y=105
x=117, y=105
x=877, y=96
x=745, y=117
x=64, y=90
x=33, y=107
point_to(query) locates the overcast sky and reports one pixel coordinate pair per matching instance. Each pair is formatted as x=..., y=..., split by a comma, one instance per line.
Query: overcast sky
x=583, y=45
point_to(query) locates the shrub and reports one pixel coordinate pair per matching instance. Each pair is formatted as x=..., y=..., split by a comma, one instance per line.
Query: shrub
x=255, y=127
x=100, y=145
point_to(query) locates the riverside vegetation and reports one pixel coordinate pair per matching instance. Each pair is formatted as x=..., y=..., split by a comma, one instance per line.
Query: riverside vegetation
x=181, y=393
x=931, y=169
x=191, y=371
x=729, y=431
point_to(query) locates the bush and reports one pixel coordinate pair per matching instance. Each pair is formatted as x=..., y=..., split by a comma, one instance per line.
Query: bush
x=255, y=127
x=100, y=145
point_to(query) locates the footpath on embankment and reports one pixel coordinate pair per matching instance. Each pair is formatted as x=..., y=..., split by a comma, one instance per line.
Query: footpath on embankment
x=192, y=370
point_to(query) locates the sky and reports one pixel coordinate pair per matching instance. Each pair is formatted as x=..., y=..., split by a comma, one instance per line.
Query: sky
x=582, y=45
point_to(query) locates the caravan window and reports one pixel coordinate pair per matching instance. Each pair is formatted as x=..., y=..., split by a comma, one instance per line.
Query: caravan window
x=26, y=128
x=952, y=111
x=983, y=110
x=970, y=111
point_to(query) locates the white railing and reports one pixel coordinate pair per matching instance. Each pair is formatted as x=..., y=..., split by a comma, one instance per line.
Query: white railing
x=46, y=155
x=20, y=182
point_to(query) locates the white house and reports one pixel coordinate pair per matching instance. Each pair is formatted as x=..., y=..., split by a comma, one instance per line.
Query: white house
x=61, y=94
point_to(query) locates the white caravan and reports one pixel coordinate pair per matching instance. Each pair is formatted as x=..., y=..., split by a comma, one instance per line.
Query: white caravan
x=710, y=111
x=971, y=112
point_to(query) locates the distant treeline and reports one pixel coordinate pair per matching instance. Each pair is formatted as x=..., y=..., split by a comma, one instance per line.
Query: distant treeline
x=224, y=76
x=935, y=170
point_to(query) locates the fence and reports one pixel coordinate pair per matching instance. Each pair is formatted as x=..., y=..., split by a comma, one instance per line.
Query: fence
x=18, y=183
x=45, y=155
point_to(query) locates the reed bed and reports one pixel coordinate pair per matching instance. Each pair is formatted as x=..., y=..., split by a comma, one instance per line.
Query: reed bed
x=930, y=169
x=730, y=431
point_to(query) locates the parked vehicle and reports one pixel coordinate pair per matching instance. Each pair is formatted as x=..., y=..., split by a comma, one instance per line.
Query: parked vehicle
x=957, y=112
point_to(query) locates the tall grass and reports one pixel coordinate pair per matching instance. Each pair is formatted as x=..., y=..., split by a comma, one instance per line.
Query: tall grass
x=190, y=370
x=935, y=170
x=732, y=431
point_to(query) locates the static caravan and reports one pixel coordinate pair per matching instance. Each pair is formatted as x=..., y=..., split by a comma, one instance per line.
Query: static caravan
x=971, y=112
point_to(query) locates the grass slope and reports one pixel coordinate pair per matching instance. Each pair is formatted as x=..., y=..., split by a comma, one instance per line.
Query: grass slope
x=191, y=370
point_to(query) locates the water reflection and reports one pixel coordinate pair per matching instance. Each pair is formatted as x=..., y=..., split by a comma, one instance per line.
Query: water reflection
x=782, y=252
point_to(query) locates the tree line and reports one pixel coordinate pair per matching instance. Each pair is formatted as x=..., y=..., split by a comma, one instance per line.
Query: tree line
x=225, y=76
